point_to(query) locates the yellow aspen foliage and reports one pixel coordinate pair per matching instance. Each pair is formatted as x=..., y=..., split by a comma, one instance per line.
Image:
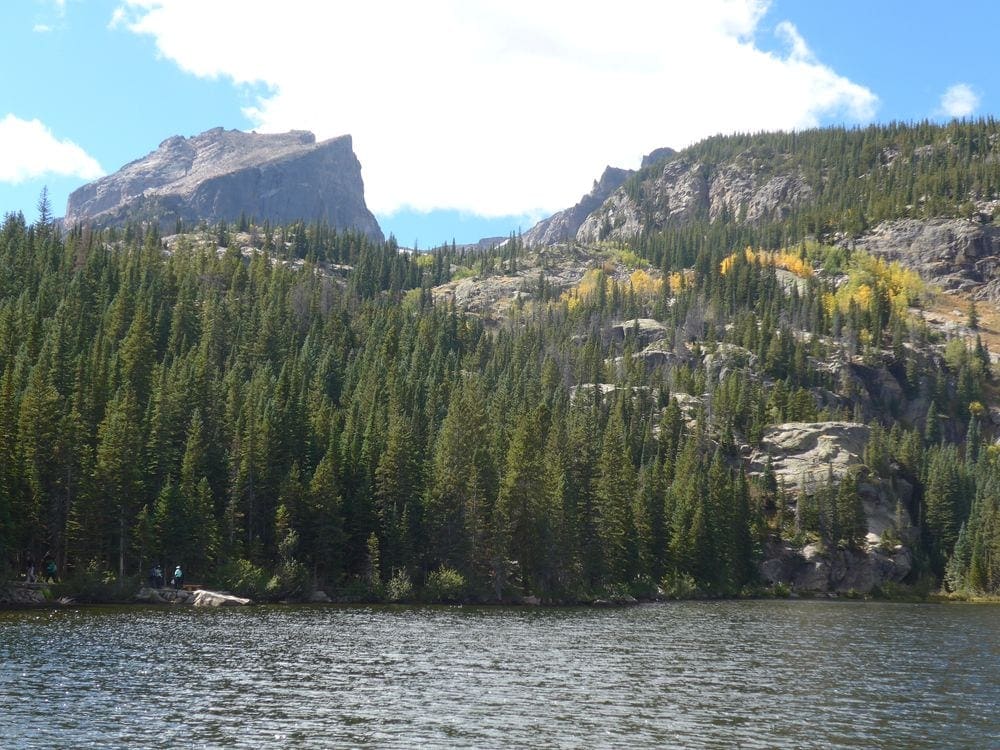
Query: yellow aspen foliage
x=679, y=279
x=585, y=289
x=866, y=274
x=778, y=258
x=644, y=284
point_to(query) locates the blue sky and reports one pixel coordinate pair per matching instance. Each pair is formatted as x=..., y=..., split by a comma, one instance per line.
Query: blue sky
x=471, y=119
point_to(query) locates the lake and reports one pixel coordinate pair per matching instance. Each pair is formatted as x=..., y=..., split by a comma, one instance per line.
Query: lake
x=690, y=674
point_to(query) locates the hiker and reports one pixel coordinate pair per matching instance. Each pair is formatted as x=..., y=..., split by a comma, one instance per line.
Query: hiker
x=158, y=572
x=178, y=577
x=154, y=579
x=50, y=570
x=30, y=563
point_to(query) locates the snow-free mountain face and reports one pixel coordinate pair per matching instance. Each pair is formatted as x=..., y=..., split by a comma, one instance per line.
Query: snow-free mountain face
x=220, y=175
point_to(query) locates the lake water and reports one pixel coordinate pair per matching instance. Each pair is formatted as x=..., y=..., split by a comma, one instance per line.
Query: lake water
x=694, y=674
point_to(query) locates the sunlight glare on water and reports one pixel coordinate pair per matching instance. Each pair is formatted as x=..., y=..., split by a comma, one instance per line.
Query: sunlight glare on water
x=695, y=674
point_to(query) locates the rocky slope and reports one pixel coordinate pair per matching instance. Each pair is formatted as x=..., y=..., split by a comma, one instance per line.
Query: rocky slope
x=680, y=189
x=953, y=253
x=564, y=225
x=223, y=174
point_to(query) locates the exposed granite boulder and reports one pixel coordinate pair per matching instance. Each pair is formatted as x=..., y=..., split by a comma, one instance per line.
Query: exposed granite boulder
x=813, y=569
x=163, y=596
x=657, y=354
x=646, y=330
x=21, y=594
x=563, y=226
x=803, y=454
x=204, y=598
x=197, y=598
x=728, y=358
x=221, y=174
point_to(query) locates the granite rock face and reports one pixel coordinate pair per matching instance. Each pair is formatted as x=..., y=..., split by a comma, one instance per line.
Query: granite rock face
x=678, y=190
x=221, y=174
x=803, y=454
x=813, y=569
x=954, y=253
x=563, y=226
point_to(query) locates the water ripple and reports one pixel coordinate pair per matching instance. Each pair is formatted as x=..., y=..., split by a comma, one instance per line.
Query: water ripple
x=700, y=675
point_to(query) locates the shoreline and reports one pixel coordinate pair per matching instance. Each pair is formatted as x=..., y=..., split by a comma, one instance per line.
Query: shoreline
x=166, y=598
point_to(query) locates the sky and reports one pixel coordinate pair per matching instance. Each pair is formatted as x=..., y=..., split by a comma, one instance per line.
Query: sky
x=471, y=118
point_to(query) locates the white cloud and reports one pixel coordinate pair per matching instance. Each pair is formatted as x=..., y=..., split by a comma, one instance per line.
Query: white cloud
x=28, y=149
x=502, y=106
x=959, y=100
x=41, y=28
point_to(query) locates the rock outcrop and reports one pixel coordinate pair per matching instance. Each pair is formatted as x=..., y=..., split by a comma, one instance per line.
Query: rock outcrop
x=803, y=454
x=644, y=330
x=682, y=189
x=223, y=174
x=954, y=253
x=197, y=598
x=563, y=226
x=21, y=594
x=812, y=569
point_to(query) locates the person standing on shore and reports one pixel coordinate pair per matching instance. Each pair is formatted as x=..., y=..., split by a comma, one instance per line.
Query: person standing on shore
x=30, y=565
x=178, y=577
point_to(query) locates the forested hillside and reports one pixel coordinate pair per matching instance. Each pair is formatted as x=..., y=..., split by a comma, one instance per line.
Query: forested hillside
x=282, y=409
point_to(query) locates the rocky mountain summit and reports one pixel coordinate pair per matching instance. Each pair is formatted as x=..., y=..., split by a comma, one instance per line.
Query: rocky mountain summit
x=220, y=175
x=563, y=226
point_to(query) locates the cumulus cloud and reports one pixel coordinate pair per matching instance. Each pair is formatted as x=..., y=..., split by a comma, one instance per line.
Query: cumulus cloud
x=959, y=100
x=501, y=106
x=28, y=149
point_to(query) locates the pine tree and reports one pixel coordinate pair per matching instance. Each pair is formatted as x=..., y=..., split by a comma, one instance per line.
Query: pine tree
x=614, y=495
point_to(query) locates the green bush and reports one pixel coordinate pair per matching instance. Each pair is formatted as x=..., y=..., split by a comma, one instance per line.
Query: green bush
x=244, y=578
x=399, y=588
x=290, y=580
x=91, y=584
x=445, y=585
x=679, y=586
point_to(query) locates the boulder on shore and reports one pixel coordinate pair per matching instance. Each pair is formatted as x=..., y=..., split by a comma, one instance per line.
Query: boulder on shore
x=817, y=570
x=204, y=598
x=198, y=598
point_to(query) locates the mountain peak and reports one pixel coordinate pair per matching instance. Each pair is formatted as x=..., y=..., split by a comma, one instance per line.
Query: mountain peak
x=220, y=174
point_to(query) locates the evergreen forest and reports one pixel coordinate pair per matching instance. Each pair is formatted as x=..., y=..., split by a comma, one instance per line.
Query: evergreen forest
x=284, y=409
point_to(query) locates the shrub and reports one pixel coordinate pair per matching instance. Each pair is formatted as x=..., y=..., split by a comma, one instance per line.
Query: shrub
x=399, y=588
x=445, y=585
x=93, y=585
x=290, y=579
x=679, y=586
x=244, y=578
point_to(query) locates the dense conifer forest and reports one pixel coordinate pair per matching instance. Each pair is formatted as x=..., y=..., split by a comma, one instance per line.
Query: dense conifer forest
x=307, y=414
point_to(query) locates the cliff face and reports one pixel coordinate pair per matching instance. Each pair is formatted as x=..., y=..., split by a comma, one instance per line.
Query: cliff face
x=563, y=226
x=220, y=174
x=681, y=189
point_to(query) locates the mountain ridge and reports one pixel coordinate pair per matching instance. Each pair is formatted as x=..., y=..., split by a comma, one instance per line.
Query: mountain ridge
x=219, y=175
